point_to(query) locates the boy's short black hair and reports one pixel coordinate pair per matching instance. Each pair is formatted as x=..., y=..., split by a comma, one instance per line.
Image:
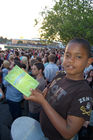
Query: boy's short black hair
x=85, y=44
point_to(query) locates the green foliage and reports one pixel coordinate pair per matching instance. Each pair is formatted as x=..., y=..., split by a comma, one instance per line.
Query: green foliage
x=68, y=19
x=4, y=40
x=20, y=42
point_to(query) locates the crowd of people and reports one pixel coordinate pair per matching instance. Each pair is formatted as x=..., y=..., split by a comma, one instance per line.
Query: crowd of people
x=62, y=102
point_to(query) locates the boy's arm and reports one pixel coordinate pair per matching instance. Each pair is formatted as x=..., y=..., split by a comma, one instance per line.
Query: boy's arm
x=67, y=128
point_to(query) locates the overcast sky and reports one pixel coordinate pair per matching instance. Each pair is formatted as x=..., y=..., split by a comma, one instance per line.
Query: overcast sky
x=17, y=17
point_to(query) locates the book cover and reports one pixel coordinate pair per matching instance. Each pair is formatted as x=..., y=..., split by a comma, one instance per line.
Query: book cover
x=21, y=80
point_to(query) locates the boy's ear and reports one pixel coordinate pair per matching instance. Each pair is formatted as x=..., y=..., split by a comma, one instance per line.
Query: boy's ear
x=90, y=60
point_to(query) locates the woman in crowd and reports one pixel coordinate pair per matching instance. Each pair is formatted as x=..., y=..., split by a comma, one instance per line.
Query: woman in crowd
x=14, y=98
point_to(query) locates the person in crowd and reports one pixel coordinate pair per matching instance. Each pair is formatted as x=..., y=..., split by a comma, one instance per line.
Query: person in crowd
x=16, y=60
x=14, y=98
x=11, y=60
x=60, y=62
x=39, y=59
x=90, y=126
x=37, y=72
x=90, y=78
x=34, y=56
x=68, y=101
x=1, y=60
x=31, y=63
x=25, y=61
x=51, y=69
x=2, y=56
x=45, y=60
x=16, y=54
x=85, y=131
x=5, y=70
x=87, y=69
x=22, y=54
x=59, y=65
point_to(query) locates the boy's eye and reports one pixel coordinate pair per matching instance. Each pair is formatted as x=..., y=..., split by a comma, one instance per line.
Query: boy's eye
x=78, y=57
x=67, y=55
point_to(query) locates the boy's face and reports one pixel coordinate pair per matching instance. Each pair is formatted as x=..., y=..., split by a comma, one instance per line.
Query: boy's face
x=75, y=61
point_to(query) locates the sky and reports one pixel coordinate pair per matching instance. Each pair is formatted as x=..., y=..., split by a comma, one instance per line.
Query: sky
x=17, y=17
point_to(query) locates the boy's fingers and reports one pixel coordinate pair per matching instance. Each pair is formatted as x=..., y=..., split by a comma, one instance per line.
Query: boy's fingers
x=25, y=97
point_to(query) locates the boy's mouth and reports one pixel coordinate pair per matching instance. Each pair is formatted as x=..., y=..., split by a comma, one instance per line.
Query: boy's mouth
x=70, y=67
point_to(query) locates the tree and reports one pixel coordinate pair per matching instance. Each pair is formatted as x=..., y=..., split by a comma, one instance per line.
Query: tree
x=4, y=40
x=20, y=42
x=68, y=19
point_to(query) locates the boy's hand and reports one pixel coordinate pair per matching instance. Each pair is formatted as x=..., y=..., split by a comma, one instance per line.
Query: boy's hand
x=35, y=96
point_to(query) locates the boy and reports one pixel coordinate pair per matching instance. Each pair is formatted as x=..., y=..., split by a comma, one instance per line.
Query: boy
x=68, y=101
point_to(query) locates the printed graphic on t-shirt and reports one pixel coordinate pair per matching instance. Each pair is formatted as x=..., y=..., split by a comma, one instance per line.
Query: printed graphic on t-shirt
x=56, y=93
x=86, y=110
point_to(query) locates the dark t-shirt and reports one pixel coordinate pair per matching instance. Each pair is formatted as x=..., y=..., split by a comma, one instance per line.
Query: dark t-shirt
x=67, y=97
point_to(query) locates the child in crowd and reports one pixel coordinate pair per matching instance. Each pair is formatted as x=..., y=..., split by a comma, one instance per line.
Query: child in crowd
x=67, y=104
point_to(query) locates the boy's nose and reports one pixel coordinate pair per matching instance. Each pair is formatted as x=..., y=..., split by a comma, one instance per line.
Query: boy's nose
x=72, y=59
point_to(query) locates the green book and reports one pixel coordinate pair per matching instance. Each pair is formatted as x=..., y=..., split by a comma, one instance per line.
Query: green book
x=21, y=80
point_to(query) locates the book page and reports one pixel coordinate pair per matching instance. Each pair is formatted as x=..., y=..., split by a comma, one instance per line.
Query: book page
x=21, y=80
